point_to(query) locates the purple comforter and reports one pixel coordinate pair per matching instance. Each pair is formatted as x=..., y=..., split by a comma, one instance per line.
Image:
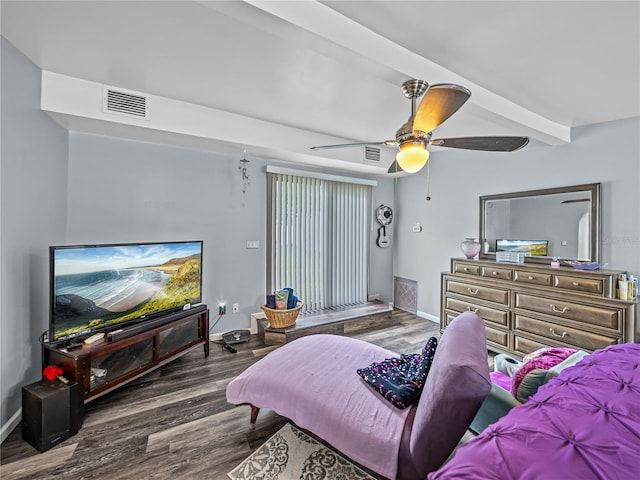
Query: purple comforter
x=584, y=424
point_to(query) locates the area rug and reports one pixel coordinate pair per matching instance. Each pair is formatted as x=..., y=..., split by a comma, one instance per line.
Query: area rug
x=293, y=455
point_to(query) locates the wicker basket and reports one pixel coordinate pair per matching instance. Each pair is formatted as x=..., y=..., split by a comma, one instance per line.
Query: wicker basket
x=282, y=318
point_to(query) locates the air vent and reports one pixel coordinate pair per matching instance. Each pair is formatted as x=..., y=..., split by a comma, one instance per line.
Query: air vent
x=371, y=154
x=125, y=103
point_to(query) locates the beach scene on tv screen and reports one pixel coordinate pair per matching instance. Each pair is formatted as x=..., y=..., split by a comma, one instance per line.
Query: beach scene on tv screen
x=532, y=247
x=96, y=287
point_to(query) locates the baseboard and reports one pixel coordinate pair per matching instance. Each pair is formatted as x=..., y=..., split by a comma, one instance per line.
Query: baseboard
x=11, y=424
x=428, y=316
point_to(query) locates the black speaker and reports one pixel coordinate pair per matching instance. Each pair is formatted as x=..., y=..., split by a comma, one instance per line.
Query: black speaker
x=51, y=413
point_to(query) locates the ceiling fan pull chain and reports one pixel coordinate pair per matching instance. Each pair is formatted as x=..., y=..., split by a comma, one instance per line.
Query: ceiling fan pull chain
x=428, y=180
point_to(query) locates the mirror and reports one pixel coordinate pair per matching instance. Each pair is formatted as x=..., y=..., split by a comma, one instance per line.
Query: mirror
x=559, y=222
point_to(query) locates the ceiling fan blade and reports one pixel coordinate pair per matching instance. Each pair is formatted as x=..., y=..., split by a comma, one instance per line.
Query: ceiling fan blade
x=489, y=144
x=439, y=103
x=359, y=144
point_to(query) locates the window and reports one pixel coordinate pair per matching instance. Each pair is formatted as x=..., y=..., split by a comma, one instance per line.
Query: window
x=318, y=238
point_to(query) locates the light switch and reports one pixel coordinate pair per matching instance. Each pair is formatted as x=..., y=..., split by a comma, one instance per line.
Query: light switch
x=253, y=243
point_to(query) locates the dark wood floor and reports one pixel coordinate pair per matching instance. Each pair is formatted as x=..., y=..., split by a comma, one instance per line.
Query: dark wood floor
x=175, y=423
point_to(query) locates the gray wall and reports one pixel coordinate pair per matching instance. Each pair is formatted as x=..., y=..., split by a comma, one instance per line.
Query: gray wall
x=607, y=153
x=128, y=191
x=61, y=188
x=33, y=173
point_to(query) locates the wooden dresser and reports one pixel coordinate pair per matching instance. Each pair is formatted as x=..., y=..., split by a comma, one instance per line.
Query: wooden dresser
x=530, y=306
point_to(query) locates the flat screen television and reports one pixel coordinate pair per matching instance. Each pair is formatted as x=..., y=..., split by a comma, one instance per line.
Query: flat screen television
x=532, y=247
x=105, y=287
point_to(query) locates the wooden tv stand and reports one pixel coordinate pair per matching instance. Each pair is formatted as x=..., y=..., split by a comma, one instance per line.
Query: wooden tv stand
x=107, y=364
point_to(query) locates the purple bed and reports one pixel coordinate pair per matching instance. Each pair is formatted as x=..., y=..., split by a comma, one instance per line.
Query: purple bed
x=584, y=424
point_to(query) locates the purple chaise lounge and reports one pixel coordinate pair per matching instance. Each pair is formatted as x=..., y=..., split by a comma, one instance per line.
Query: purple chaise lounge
x=583, y=424
x=313, y=382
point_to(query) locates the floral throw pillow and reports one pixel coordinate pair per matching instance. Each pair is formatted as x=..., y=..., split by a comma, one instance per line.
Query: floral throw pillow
x=543, y=359
x=400, y=380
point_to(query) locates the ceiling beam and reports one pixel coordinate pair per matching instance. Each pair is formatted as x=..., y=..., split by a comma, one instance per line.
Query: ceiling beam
x=332, y=26
x=77, y=105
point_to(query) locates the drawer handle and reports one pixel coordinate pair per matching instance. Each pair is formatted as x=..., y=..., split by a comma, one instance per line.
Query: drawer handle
x=530, y=277
x=557, y=310
x=494, y=273
x=576, y=284
x=466, y=269
x=553, y=332
x=472, y=292
x=475, y=310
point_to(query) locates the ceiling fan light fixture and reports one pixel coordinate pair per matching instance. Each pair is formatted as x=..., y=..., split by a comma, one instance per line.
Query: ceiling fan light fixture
x=412, y=156
x=439, y=102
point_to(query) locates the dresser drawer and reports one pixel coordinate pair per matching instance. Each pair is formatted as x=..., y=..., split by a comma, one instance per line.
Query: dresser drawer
x=523, y=345
x=589, y=285
x=449, y=318
x=488, y=314
x=563, y=334
x=491, y=294
x=533, y=278
x=554, y=307
x=599, y=316
x=499, y=273
x=497, y=337
x=467, y=269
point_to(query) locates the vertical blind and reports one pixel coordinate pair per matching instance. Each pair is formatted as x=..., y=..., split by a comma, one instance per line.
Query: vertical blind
x=318, y=240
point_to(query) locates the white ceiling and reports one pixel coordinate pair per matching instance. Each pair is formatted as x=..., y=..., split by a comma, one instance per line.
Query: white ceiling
x=331, y=71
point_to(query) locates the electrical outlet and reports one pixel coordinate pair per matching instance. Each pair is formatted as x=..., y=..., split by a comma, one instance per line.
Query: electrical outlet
x=222, y=309
x=235, y=308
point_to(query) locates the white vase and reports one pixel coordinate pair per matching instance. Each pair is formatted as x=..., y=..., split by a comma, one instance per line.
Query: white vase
x=470, y=247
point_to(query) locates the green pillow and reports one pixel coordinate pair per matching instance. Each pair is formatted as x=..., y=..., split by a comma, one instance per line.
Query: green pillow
x=530, y=384
x=538, y=376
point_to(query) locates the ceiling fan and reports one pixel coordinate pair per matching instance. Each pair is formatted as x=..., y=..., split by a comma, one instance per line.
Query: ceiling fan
x=438, y=104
